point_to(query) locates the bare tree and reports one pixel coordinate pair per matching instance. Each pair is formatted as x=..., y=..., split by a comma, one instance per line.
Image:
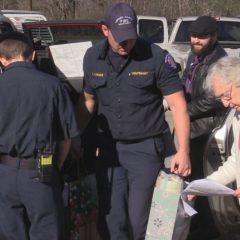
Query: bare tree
x=8, y=4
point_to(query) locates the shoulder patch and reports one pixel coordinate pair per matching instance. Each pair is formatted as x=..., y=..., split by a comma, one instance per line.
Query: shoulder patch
x=169, y=61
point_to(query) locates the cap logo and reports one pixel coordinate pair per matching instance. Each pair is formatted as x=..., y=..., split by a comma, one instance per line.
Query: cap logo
x=123, y=20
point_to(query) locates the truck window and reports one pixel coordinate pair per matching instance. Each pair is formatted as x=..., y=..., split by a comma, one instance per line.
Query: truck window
x=183, y=34
x=151, y=30
x=229, y=31
x=5, y=27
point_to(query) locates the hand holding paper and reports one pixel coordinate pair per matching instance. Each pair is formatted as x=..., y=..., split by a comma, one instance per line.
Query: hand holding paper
x=203, y=187
x=206, y=187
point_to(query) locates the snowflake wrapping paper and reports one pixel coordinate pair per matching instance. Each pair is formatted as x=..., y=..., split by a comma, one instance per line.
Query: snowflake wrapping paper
x=164, y=207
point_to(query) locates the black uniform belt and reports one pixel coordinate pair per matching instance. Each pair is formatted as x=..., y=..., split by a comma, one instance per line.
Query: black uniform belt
x=21, y=163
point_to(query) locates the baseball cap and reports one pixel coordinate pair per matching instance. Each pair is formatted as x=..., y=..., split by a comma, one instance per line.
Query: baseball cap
x=203, y=26
x=121, y=19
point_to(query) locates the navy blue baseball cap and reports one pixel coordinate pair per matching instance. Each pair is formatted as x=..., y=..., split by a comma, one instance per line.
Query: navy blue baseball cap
x=121, y=19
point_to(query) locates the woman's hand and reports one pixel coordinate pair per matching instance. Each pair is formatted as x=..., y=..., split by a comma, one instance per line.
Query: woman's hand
x=191, y=197
x=237, y=193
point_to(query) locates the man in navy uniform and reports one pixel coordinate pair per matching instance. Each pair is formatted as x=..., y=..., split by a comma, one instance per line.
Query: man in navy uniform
x=37, y=122
x=125, y=79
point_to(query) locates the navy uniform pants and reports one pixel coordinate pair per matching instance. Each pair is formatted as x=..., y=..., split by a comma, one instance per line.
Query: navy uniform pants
x=21, y=195
x=125, y=177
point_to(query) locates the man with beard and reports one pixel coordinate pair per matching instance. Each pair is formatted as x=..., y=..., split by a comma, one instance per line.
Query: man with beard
x=204, y=110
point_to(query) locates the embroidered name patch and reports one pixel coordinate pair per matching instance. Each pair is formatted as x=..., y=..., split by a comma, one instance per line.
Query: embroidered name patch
x=138, y=73
x=97, y=74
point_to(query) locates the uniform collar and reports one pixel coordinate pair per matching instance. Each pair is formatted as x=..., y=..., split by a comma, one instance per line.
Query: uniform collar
x=103, y=49
x=105, y=46
x=19, y=64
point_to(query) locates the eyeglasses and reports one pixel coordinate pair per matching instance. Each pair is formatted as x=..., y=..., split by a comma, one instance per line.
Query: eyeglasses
x=226, y=96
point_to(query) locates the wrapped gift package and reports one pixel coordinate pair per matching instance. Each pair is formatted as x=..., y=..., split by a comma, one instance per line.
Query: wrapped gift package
x=83, y=209
x=86, y=228
x=164, y=207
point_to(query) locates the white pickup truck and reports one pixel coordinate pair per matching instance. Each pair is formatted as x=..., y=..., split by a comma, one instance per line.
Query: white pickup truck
x=153, y=29
x=156, y=30
x=178, y=43
x=228, y=35
x=17, y=17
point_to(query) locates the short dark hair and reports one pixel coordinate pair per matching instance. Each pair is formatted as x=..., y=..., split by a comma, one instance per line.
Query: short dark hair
x=14, y=44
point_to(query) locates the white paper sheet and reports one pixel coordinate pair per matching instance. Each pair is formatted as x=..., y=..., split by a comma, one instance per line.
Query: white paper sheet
x=203, y=187
x=206, y=187
x=68, y=58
